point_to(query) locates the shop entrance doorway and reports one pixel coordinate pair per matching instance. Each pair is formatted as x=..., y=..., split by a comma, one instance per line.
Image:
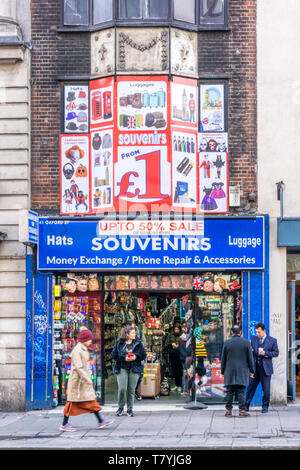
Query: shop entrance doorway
x=162, y=322
x=182, y=320
x=293, y=356
x=203, y=306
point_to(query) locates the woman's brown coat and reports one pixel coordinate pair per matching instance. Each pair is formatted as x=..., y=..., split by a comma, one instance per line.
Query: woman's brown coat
x=79, y=388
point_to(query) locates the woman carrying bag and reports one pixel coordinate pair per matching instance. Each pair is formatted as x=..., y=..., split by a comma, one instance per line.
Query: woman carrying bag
x=81, y=395
x=128, y=353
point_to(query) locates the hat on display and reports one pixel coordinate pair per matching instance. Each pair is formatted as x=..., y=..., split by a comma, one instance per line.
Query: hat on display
x=70, y=116
x=82, y=117
x=71, y=96
x=82, y=106
x=83, y=127
x=198, y=332
x=82, y=94
x=85, y=335
x=71, y=126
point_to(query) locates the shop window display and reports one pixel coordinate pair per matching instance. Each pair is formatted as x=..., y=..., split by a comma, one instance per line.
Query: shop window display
x=156, y=303
x=182, y=320
x=217, y=309
x=77, y=303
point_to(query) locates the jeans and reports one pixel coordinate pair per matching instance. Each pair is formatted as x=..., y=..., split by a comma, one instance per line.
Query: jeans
x=237, y=391
x=127, y=381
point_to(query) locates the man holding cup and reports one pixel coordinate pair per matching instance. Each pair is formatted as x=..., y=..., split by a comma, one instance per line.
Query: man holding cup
x=264, y=348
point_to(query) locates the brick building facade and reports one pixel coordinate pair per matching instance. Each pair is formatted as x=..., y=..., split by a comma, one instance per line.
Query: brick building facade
x=186, y=49
x=227, y=56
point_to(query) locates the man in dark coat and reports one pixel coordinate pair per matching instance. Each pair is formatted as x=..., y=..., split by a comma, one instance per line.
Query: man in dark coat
x=236, y=365
x=264, y=348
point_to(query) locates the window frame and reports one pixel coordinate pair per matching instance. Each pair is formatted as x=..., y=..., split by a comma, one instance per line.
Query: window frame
x=80, y=26
x=105, y=23
x=163, y=22
x=214, y=27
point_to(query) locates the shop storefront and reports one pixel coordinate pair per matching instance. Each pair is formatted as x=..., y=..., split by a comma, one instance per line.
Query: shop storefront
x=288, y=237
x=204, y=276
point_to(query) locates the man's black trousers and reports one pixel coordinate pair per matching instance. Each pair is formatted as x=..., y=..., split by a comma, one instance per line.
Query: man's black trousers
x=237, y=392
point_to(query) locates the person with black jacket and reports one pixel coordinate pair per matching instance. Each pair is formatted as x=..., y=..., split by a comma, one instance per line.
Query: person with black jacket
x=236, y=366
x=128, y=353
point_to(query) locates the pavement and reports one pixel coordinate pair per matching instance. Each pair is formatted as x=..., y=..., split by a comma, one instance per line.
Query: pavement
x=154, y=426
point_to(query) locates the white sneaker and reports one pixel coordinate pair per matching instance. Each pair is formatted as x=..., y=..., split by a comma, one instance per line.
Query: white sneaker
x=67, y=428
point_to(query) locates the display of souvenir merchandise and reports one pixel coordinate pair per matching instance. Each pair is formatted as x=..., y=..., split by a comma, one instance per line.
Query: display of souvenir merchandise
x=212, y=107
x=184, y=103
x=76, y=108
x=142, y=109
x=93, y=283
x=217, y=191
x=75, y=174
x=218, y=308
x=208, y=202
x=156, y=303
x=102, y=169
x=101, y=105
x=74, y=307
x=184, y=169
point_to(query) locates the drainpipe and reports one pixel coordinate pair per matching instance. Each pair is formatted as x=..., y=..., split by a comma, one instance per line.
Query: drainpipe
x=280, y=189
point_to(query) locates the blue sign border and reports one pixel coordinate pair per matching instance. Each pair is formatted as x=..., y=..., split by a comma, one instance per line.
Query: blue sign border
x=220, y=251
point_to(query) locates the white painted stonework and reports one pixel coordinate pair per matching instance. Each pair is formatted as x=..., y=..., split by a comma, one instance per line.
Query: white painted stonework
x=278, y=125
x=14, y=195
x=184, y=53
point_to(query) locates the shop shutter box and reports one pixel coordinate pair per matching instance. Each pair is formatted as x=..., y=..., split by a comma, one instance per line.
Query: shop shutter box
x=216, y=373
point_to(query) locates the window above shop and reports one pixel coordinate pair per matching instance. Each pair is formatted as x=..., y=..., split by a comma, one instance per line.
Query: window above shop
x=189, y=14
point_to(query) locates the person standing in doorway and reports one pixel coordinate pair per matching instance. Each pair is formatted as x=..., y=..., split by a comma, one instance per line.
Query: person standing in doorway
x=81, y=395
x=236, y=363
x=264, y=348
x=172, y=345
x=128, y=353
x=141, y=336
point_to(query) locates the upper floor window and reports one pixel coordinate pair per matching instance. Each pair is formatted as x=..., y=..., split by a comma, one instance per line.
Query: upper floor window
x=212, y=12
x=184, y=10
x=76, y=12
x=206, y=14
x=143, y=9
x=102, y=11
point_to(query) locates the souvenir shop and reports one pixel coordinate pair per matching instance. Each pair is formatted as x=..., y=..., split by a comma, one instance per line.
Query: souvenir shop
x=199, y=309
x=183, y=303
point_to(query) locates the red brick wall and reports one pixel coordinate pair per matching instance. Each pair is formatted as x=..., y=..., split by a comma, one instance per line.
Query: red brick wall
x=54, y=55
x=232, y=55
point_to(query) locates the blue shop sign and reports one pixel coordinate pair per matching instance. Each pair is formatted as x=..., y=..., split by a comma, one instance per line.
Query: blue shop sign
x=75, y=245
